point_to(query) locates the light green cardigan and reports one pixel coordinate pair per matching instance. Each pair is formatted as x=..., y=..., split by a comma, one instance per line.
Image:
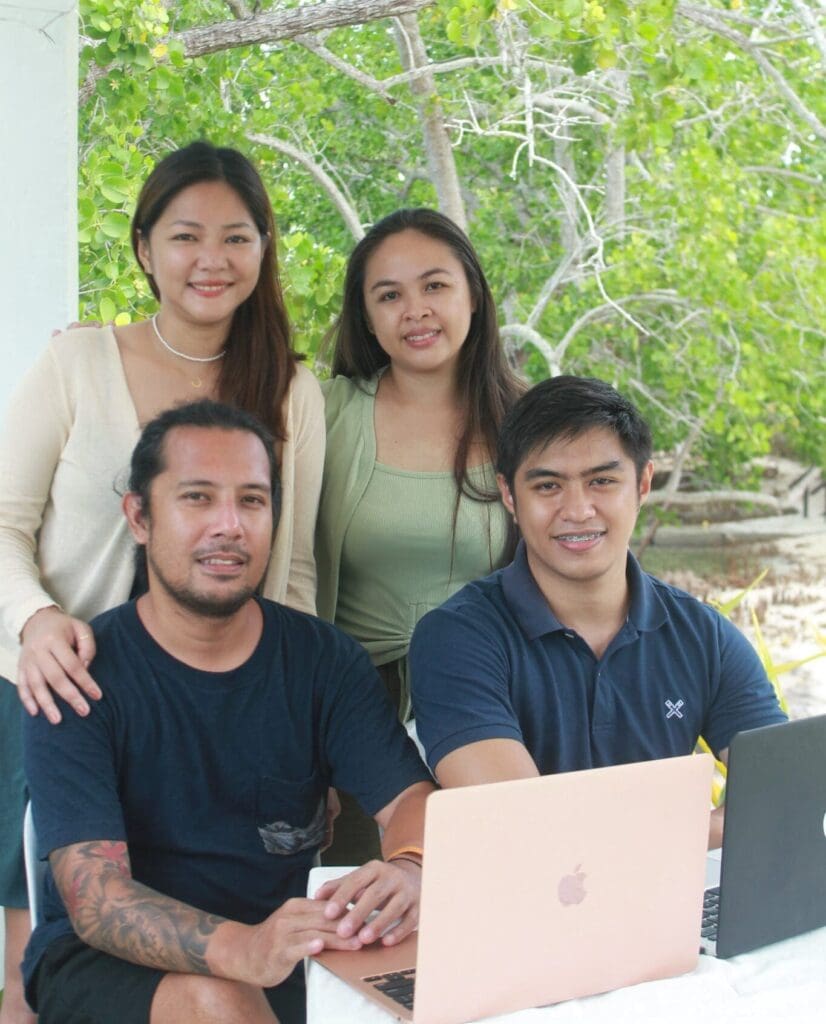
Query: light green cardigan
x=348, y=465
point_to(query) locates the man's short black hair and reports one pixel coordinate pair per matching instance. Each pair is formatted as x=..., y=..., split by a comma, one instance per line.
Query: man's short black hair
x=563, y=408
x=148, y=459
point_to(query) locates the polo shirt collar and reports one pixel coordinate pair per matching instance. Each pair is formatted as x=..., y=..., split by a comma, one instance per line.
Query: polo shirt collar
x=525, y=600
x=647, y=610
x=530, y=609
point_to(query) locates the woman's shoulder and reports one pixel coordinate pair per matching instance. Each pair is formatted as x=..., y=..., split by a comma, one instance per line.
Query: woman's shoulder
x=84, y=351
x=304, y=394
x=80, y=344
x=340, y=391
x=347, y=401
x=304, y=380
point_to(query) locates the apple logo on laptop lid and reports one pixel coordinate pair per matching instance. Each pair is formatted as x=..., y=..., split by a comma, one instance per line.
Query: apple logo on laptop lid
x=571, y=889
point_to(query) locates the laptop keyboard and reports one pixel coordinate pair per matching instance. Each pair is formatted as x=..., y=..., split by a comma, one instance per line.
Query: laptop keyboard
x=711, y=911
x=398, y=985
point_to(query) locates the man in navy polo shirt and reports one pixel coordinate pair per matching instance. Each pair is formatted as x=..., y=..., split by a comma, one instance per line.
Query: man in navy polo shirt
x=572, y=657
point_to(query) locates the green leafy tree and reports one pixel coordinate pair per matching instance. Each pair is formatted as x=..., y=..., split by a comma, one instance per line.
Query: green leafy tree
x=643, y=180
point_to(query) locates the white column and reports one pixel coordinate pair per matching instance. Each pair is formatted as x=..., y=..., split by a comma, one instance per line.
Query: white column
x=38, y=178
x=38, y=185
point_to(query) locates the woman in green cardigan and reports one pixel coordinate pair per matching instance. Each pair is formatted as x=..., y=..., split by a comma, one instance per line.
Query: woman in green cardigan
x=409, y=508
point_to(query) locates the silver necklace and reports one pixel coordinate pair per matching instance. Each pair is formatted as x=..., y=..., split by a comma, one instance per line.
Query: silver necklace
x=197, y=382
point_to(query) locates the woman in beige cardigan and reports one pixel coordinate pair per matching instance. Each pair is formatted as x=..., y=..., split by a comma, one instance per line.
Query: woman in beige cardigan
x=204, y=235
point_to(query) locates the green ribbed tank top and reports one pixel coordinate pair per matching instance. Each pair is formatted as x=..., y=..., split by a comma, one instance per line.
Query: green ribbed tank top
x=399, y=558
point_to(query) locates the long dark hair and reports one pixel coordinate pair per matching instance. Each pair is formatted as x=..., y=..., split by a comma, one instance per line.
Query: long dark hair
x=260, y=363
x=487, y=386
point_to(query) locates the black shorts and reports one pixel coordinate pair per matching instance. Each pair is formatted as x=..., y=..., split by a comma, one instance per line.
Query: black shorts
x=75, y=984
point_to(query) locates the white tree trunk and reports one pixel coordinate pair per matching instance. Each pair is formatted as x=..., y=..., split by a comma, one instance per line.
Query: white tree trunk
x=440, y=161
x=568, y=231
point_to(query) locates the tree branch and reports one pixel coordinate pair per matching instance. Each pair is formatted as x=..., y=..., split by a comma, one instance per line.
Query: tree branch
x=339, y=200
x=703, y=497
x=239, y=9
x=367, y=81
x=384, y=85
x=551, y=101
x=93, y=76
x=611, y=307
x=551, y=284
x=524, y=333
x=784, y=172
x=712, y=21
x=568, y=191
x=273, y=26
x=440, y=159
x=759, y=25
x=813, y=25
x=446, y=66
x=667, y=494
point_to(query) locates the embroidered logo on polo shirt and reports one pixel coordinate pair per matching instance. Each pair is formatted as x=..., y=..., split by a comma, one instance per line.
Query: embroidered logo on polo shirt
x=674, y=709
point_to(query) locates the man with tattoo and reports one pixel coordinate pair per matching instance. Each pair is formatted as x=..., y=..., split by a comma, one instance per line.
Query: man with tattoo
x=182, y=814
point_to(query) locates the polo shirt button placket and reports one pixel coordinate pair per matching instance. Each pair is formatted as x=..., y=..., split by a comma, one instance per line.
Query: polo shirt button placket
x=603, y=708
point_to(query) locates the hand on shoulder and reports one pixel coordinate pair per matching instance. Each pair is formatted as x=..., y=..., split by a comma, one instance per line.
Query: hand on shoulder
x=54, y=658
x=78, y=324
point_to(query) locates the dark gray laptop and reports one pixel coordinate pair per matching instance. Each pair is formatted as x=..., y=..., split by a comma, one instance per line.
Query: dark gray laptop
x=773, y=868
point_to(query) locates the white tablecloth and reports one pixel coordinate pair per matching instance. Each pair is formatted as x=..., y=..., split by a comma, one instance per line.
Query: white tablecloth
x=782, y=984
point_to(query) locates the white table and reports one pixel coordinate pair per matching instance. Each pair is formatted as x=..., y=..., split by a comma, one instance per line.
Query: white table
x=783, y=984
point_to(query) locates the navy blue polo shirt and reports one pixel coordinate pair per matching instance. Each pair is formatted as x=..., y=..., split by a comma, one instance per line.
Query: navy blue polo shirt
x=494, y=662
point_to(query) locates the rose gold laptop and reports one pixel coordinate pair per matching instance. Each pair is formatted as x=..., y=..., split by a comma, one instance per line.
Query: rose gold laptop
x=547, y=889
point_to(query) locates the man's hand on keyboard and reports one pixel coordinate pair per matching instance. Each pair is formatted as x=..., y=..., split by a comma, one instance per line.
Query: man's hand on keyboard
x=389, y=892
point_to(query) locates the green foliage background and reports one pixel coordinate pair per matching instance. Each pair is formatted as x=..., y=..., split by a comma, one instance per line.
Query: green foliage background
x=723, y=243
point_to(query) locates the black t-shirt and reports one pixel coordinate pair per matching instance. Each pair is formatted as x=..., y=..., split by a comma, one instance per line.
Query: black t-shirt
x=217, y=781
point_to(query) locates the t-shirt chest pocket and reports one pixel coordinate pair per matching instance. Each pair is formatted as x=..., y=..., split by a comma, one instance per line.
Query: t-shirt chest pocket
x=291, y=816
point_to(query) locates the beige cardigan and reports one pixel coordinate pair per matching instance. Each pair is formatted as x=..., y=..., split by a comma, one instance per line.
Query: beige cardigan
x=64, y=456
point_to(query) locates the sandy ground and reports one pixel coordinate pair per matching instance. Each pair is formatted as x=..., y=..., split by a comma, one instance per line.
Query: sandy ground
x=790, y=604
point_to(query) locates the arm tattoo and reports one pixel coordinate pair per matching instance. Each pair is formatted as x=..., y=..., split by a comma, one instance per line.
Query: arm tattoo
x=112, y=912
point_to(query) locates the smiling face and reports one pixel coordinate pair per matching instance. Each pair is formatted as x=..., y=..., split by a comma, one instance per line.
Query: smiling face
x=418, y=302
x=208, y=531
x=576, y=502
x=204, y=253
